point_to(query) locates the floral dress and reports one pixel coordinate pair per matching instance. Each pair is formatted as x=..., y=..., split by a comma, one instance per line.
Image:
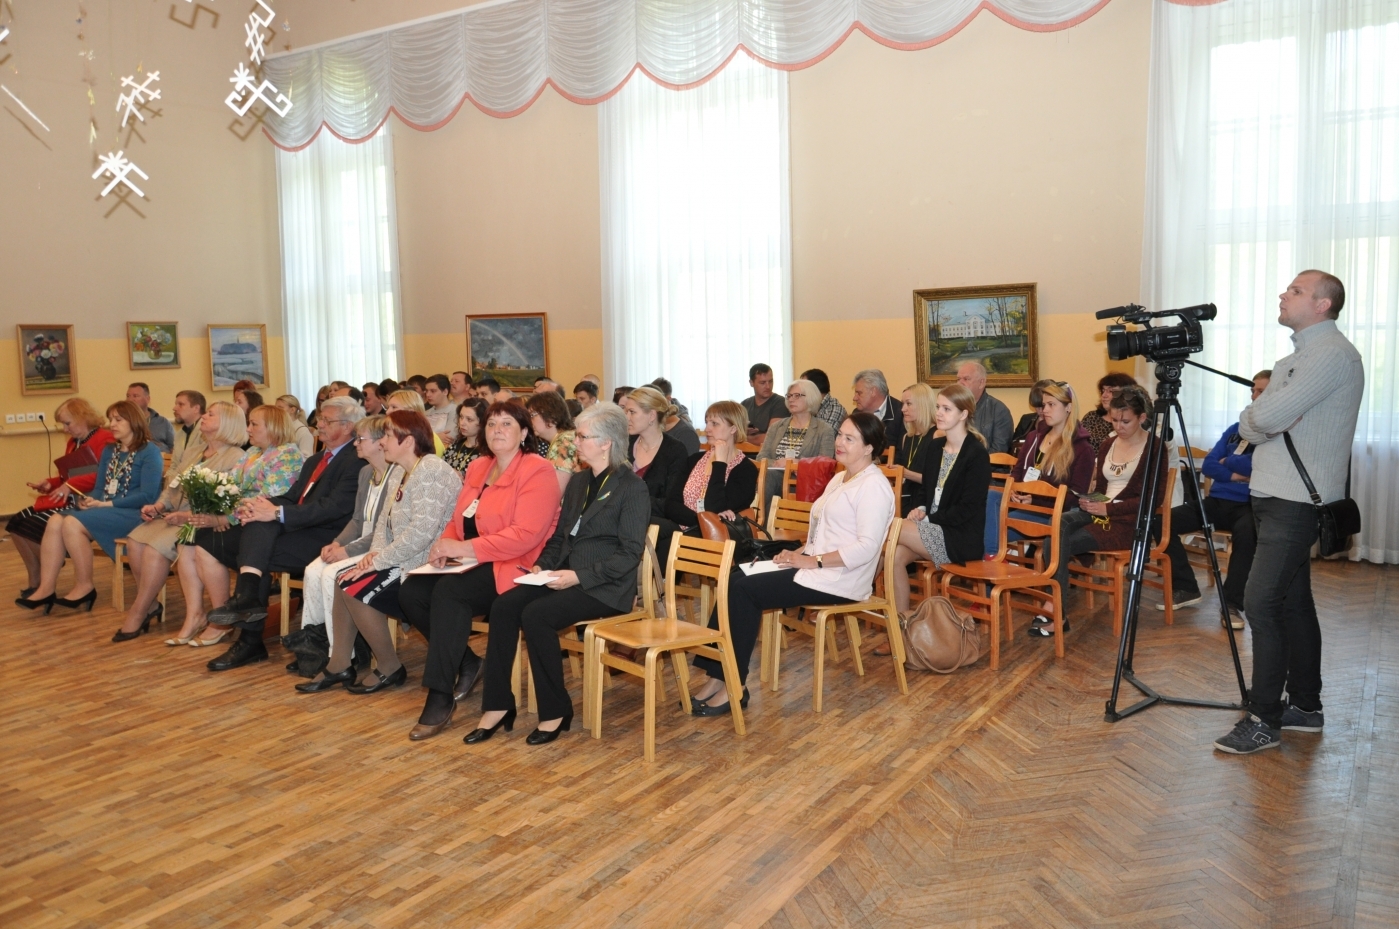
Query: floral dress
x=460, y=455
x=563, y=452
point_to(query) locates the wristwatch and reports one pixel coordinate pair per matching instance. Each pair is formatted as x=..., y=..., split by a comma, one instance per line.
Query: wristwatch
x=818, y=561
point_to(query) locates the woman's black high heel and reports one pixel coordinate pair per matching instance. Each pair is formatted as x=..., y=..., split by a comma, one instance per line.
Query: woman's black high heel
x=128, y=636
x=27, y=591
x=157, y=612
x=703, y=708
x=481, y=735
x=86, y=602
x=540, y=737
x=45, y=602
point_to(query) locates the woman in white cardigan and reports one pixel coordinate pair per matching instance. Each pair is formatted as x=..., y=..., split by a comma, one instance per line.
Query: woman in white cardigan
x=849, y=524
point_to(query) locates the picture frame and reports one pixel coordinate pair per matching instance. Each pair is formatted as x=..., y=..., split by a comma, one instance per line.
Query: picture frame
x=153, y=345
x=511, y=347
x=238, y=352
x=997, y=325
x=48, y=359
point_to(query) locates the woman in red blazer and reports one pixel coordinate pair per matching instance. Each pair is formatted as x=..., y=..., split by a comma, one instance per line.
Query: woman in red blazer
x=506, y=511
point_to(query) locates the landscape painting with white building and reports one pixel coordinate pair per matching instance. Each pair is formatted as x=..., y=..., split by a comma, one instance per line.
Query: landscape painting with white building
x=995, y=328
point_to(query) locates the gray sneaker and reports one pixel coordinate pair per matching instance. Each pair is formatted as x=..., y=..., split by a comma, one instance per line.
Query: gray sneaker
x=1249, y=735
x=1236, y=618
x=1181, y=599
x=1302, y=721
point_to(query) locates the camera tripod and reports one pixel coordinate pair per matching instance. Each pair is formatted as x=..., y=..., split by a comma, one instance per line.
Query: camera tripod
x=1167, y=392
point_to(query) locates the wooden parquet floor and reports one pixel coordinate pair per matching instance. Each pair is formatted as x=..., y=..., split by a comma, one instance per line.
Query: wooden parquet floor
x=138, y=789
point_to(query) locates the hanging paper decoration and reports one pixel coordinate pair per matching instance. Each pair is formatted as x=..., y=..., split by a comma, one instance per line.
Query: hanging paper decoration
x=23, y=107
x=139, y=95
x=243, y=82
x=256, y=39
x=119, y=166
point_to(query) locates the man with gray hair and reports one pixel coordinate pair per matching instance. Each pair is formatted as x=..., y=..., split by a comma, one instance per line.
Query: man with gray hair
x=285, y=533
x=992, y=418
x=872, y=396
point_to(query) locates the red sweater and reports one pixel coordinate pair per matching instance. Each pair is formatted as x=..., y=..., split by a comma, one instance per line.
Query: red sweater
x=516, y=515
x=99, y=440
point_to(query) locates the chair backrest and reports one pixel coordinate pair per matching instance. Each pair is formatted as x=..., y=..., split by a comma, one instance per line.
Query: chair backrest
x=748, y=448
x=789, y=478
x=888, y=455
x=1163, y=512
x=1000, y=460
x=895, y=476
x=789, y=516
x=891, y=545
x=1198, y=456
x=760, y=494
x=647, y=572
x=704, y=559
x=1020, y=517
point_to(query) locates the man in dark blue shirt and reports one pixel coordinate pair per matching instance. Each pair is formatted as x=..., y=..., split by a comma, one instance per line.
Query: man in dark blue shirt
x=1229, y=466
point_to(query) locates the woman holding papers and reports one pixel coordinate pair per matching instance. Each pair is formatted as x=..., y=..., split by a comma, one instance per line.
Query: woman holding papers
x=417, y=501
x=848, y=527
x=504, y=513
x=589, y=564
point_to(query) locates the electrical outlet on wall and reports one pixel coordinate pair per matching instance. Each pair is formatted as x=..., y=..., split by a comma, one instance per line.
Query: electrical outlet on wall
x=31, y=417
x=9, y=419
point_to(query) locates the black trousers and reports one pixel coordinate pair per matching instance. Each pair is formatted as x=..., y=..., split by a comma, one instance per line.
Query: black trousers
x=1230, y=516
x=540, y=613
x=1281, y=611
x=267, y=547
x=441, y=607
x=749, y=597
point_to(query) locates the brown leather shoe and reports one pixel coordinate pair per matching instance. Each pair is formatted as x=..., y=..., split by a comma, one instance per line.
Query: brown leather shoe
x=421, y=731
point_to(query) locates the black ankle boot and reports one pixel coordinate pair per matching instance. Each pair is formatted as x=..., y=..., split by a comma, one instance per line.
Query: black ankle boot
x=247, y=650
x=246, y=596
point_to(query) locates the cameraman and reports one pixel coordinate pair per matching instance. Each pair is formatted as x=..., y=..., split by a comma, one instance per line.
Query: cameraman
x=1314, y=395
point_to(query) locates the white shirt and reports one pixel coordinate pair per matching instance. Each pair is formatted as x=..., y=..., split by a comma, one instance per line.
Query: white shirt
x=852, y=518
x=443, y=420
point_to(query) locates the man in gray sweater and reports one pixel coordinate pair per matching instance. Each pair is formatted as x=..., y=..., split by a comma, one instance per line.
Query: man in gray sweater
x=1314, y=396
x=992, y=418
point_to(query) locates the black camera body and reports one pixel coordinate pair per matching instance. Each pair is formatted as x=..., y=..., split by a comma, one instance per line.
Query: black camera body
x=1158, y=344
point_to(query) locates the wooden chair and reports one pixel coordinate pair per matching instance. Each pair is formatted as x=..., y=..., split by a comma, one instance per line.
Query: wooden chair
x=787, y=519
x=878, y=610
x=119, y=563
x=1002, y=578
x=1194, y=543
x=668, y=635
x=999, y=478
x=748, y=448
x=1108, y=572
x=895, y=476
x=888, y=458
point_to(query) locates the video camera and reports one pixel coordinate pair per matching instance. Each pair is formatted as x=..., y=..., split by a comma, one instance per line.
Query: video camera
x=1167, y=343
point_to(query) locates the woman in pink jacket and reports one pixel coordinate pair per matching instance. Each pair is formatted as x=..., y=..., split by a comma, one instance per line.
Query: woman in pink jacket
x=506, y=511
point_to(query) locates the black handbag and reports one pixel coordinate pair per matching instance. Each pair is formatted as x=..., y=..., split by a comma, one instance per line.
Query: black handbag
x=1335, y=522
x=748, y=545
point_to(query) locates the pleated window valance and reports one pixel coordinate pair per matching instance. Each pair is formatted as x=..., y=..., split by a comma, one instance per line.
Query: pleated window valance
x=500, y=56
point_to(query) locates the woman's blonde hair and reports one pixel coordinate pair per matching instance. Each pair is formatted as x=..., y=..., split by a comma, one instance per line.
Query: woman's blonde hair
x=732, y=413
x=278, y=424
x=810, y=391
x=374, y=427
x=964, y=400
x=925, y=406
x=296, y=412
x=233, y=427
x=409, y=398
x=79, y=409
x=653, y=401
x=1061, y=460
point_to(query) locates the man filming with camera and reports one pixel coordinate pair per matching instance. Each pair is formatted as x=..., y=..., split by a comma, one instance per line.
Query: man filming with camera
x=1313, y=396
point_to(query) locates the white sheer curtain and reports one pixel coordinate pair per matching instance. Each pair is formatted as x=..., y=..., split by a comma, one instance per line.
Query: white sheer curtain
x=340, y=303
x=1274, y=147
x=696, y=250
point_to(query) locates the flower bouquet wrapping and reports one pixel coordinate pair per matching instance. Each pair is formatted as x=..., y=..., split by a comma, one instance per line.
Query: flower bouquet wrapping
x=209, y=493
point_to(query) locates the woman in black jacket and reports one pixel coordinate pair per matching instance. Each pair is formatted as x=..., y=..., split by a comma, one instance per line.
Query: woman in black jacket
x=657, y=458
x=720, y=480
x=948, y=526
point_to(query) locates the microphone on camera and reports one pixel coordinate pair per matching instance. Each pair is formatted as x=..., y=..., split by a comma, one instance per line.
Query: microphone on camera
x=1117, y=311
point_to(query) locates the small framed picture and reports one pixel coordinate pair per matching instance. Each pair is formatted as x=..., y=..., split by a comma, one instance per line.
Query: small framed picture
x=153, y=345
x=238, y=353
x=995, y=325
x=47, y=360
x=512, y=348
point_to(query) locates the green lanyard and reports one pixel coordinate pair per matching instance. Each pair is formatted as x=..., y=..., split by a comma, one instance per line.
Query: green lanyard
x=588, y=497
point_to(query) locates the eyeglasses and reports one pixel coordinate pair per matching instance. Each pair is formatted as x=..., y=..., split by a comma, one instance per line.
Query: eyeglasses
x=796, y=396
x=581, y=436
x=322, y=423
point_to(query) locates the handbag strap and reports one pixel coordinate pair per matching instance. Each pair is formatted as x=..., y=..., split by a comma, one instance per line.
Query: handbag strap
x=1301, y=469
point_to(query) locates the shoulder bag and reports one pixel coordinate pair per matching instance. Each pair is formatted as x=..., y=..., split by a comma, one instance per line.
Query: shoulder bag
x=1335, y=522
x=939, y=638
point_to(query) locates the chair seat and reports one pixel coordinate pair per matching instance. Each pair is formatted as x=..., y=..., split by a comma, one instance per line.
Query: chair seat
x=996, y=572
x=653, y=633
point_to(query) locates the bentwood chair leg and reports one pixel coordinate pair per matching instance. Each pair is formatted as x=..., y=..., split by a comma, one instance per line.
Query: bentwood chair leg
x=516, y=672
x=852, y=629
x=764, y=647
x=651, y=670
x=598, y=671
x=677, y=661
x=775, y=662
x=831, y=642
x=119, y=575
x=896, y=648
x=726, y=661
x=818, y=662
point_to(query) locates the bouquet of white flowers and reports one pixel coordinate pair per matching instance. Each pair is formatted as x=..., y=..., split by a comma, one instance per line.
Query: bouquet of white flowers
x=208, y=492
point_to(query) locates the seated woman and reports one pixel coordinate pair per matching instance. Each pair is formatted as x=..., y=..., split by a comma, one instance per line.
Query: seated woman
x=948, y=523
x=85, y=428
x=591, y=557
x=305, y=438
x=268, y=468
x=657, y=457
x=1108, y=525
x=410, y=401
x=505, y=512
x=553, y=427
x=849, y=524
x=470, y=444
x=1057, y=451
x=719, y=480
x=1030, y=420
x=800, y=435
x=128, y=478
x=318, y=581
x=919, y=411
x=1095, y=421
x=416, y=508
x=151, y=548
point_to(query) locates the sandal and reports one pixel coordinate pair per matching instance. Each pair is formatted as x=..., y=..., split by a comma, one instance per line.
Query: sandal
x=206, y=643
x=186, y=639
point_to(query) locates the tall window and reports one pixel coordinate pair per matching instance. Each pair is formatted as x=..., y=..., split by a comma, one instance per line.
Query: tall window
x=1274, y=147
x=339, y=263
x=695, y=232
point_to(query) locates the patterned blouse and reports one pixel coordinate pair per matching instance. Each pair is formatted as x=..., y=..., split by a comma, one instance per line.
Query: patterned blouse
x=459, y=455
x=1097, y=425
x=563, y=452
x=267, y=474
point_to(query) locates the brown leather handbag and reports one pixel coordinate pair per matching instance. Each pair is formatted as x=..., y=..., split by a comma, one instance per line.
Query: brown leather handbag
x=937, y=637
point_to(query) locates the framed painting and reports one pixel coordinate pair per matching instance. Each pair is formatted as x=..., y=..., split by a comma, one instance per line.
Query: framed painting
x=238, y=353
x=48, y=361
x=153, y=345
x=995, y=325
x=512, y=348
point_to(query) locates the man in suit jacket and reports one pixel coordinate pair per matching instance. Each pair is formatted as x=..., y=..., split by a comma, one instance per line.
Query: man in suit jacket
x=189, y=441
x=872, y=396
x=285, y=533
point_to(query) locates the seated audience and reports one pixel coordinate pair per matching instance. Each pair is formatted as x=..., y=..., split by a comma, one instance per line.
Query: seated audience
x=831, y=410
x=373, y=400
x=719, y=479
x=585, y=392
x=488, y=389
x=419, y=495
x=322, y=396
x=410, y=401
x=553, y=428
x=548, y=385
x=504, y=514
x=418, y=384
x=800, y=435
x=665, y=387
x=267, y=469
x=128, y=478
x=677, y=425
x=872, y=396
x=441, y=412
x=1031, y=419
x=462, y=387
x=1229, y=466
x=151, y=547
x=189, y=440
x=764, y=406
x=247, y=401
x=620, y=392
x=656, y=457
x=470, y=443
x=837, y=565
x=160, y=430
x=86, y=429
x=992, y=416
x=1096, y=419
x=305, y=439
x=592, y=557
x=919, y=411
